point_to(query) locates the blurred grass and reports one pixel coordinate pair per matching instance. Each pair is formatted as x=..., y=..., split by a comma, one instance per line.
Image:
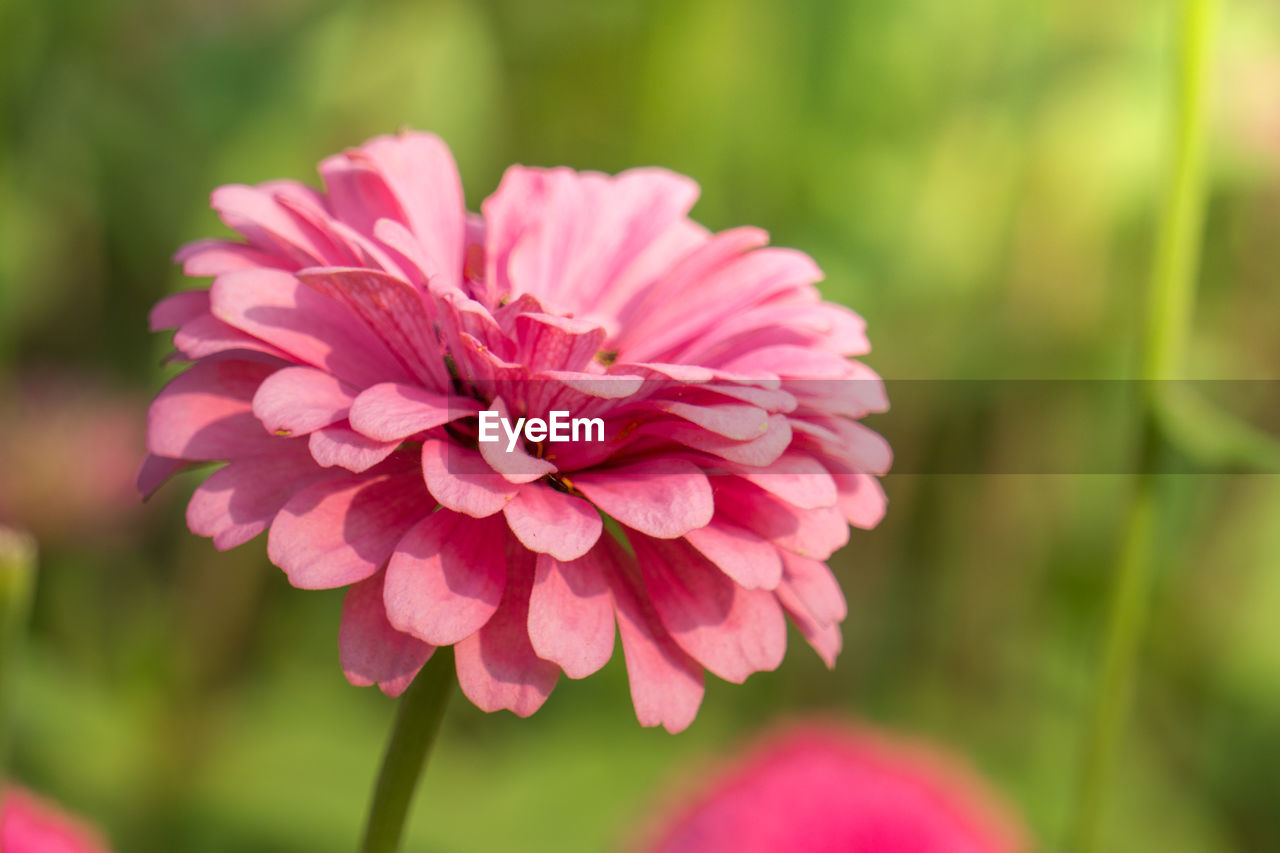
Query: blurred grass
x=978, y=179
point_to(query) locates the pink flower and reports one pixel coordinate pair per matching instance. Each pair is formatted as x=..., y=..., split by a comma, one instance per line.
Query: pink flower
x=344, y=353
x=31, y=825
x=60, y=496
x=836, y=789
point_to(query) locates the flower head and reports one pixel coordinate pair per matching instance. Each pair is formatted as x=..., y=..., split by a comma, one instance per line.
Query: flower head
x=345, y=354
x=31, y=825
x=817, y=788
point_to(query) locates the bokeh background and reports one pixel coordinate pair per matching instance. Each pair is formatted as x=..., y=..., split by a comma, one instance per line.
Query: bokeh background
x=980, y=180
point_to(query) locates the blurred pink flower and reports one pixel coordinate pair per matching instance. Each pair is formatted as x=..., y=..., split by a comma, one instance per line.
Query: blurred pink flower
x=822, y=788
x=68, y=451
x=343, y=354
x=29, y=824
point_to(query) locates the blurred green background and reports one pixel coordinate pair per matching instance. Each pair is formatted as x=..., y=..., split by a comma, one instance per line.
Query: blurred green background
x=979, y=179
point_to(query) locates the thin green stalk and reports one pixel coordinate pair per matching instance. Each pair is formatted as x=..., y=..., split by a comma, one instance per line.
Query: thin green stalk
x=17, y=580
x=1170, y=299
x=1126, y=624
x=1171, y=290
x=417, y=723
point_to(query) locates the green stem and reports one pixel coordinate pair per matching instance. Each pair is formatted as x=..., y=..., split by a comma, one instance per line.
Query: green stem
x=1170, y=299
x=17, y=579
x=417, y=723
x=1171, y=290
x=1126, y=624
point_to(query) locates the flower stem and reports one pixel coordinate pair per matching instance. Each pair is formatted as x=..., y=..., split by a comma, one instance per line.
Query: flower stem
x=1170, y=299
x=1126, y=625
x=1171, y=290
x=17, y=579
x=417, y=723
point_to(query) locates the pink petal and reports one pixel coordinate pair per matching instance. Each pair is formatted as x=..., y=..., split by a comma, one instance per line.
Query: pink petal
x=797, y=478
x=277, y=308
x=339, y=446
x=356, y=192
x=858, y=393
x=206, y=335
x=446, y=577
x=565, y=237
x=816, y=533
x=497, y=666
x=761, y=451
x=552, y=522
x=824, y=637
x=791, y=361
x=571, y=611
x=604, y=386
x=815, y=586
x=419, y=170
x=257, y=214
x=664, y=498
x=371, y=651
x=862, y=499
x=299, y=400
x=155, y=471
x=730, y=630
x=711, y=286
x=746, y=558
x=205, y=412
x=547, y=342
x=666, y=684
x=393, y=310
x=391, y=412
x=172, y=311
x=461, y=480
x=860, y=448
x=340, y=531
x=215, y=257
x=238, y=501
x=740, y=422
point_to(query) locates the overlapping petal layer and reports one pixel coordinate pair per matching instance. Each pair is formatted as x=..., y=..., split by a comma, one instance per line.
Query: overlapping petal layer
x=345, y=355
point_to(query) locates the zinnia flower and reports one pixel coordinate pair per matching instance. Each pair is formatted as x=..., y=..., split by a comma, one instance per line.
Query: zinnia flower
x=821, y=788
x=28, y=824
x=344, y=353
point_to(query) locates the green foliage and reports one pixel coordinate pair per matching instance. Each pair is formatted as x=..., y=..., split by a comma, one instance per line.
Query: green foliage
x=978, y=179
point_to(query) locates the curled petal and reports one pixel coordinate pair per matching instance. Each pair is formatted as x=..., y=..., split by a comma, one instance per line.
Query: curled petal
x=730, y=630
x=340, y=446
x=571, y=612
x=390, y=411
x=275, y=307
x=206, y=413
x=552, y=522
x=497, y=666
x=371, y=651
x=666, y=683
x=446, y=577
x=816, y=533
x=172, y=311
x=155, y=471
x=340, y=531
x=298, y=400
x=460, y=479
x=797, y=478
x=861, y=498
x=665, y=498
x=749, y=560
x=239, y=501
